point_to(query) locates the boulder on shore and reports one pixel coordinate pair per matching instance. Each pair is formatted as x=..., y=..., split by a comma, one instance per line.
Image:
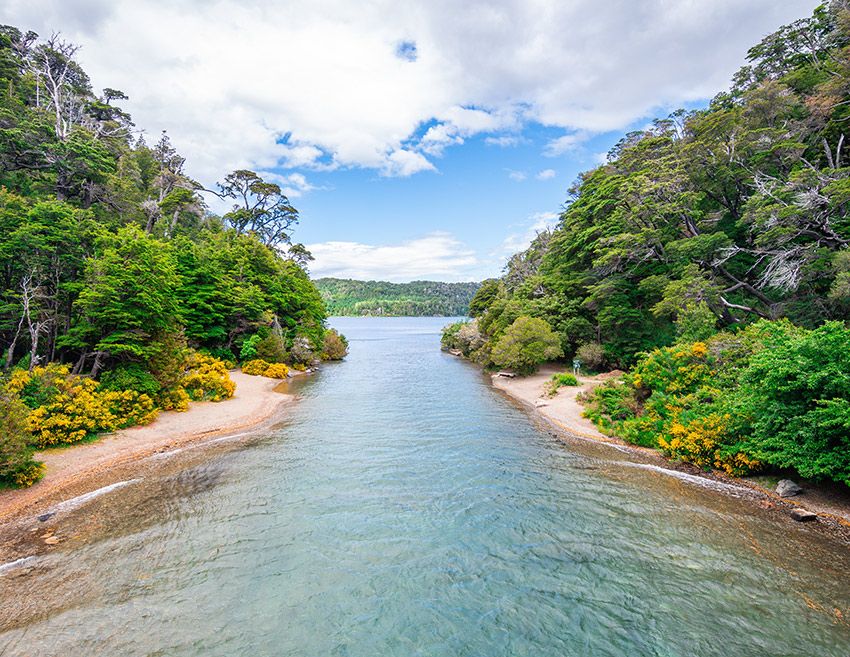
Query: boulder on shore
x=803, y=515
x=787, y=488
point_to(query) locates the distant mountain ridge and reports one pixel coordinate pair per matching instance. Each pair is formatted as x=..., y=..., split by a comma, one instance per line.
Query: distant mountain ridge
x=348, y=297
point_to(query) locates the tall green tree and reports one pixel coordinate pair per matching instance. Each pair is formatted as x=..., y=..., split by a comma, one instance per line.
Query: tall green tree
x=129, y=300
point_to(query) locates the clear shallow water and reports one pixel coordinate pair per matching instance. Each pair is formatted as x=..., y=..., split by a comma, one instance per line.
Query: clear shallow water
x=406, y=508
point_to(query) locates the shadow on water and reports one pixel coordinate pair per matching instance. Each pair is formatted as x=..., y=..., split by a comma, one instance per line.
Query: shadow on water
x=406, y=508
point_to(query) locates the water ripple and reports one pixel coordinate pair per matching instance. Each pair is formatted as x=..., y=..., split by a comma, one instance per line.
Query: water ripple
x=407, y=509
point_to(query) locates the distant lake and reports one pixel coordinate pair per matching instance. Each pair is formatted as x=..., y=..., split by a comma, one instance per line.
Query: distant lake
x=405, y=508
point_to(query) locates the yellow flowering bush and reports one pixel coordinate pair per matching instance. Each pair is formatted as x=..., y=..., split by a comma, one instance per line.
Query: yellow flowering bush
x=699, y=350
x=65, y=408
x=259, y=367
x=276, y=371
x=18, y=380
x=27, y=476
x=75, y=412
x=130, y=408
x=701, y=442
x=678, y=398
x=175, y=399
x=207, y=378
x=673, y=370
x=697, y=441
x=256, y=367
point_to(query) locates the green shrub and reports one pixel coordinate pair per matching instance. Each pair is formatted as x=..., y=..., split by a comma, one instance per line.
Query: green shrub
x=526, y=344
x=559, y=381
x=302, y=351
x=271, y=348
x=334, y=346
x=793, y=403
x=168, y=366
x=449, y=335
x=591, y=355
x=248, y=351
x=130, y=376
x=223, y=354
x=17, y=467
x=667, y=387
x=770, y=396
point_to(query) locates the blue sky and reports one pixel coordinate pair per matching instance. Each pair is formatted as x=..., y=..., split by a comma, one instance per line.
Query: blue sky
x=489, y=198
x=419, y=139
x=486, y=200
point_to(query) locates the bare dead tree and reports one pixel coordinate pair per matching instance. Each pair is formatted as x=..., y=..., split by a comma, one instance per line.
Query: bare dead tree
x=37, y=321
x=54, y=69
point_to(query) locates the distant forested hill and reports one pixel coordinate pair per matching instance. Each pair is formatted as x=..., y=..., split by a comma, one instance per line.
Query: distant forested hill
x=417, y=299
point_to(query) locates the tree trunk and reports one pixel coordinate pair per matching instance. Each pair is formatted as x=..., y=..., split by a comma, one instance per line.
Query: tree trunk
x=10, y=354
x=33, y=349
x=98, y=363
x=174, y=219
x=81, y=361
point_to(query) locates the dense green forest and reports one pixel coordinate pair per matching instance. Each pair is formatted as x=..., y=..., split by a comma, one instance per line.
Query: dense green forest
x=120, y=291
x=709, y=256
x=417, y=299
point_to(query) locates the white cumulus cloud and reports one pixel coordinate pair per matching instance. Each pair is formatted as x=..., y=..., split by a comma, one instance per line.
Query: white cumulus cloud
x=438, y=256
x=565, y=144
x=546, y=174
x=403, y=163
x=332, y=83
x=292, y=184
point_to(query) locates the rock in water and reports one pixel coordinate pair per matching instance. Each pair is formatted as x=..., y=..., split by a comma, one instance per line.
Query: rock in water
x=787, y=488
x=802, y=515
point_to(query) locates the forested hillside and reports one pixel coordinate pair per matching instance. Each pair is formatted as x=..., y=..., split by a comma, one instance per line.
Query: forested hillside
x=418, y=299
x=723, y=232
x=121, y=292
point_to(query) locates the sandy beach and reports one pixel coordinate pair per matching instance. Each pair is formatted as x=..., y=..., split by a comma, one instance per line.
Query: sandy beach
x=563, y=410
x=76, y=469
x=564, y=413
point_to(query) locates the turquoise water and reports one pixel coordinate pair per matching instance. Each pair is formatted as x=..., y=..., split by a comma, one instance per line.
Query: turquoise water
x=407, y=508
